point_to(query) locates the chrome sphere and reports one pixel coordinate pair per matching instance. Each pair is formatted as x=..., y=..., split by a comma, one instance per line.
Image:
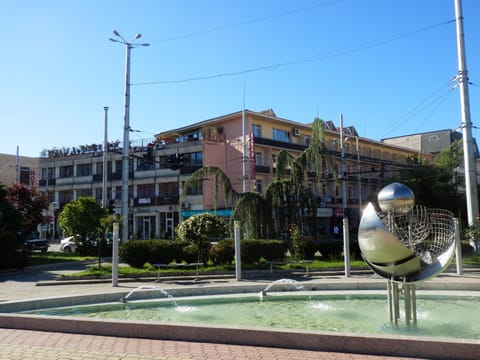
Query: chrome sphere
x=396, y=198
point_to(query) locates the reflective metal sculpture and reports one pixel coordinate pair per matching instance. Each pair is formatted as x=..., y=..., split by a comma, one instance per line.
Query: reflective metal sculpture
x=405, y=243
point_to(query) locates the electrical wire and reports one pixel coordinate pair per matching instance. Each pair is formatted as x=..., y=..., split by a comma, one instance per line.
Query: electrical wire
x=248, y=22
x=324, y=56
x=421, y=106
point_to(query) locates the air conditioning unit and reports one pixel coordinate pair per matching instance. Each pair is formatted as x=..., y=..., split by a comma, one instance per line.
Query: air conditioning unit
x=296, y=132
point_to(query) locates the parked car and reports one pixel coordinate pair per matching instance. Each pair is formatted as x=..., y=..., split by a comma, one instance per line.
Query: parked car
x=68, y=245
x=36, y=245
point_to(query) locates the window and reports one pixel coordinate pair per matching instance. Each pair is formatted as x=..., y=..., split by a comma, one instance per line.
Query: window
x=145, y=190
x=195, y=189
x=48, y=173
x=65, y=196
x=66, y=171
x=258, y=158
x=27, y=177
x=306, y=140
x=163, y=162
x=259, y=186
x=168, y=189
x=256, y=130
x=281, y=135
x=192, y=159
x=145, y=164
x=84, y=170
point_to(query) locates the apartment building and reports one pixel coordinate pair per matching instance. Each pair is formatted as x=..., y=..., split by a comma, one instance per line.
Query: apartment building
x=243, y=144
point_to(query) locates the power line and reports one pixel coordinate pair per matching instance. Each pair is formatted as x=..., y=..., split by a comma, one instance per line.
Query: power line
x=421, y=106
x=251, y=21
x=324, y=56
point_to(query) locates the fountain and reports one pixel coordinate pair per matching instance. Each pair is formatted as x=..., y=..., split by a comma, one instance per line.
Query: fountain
x=149, y=288
x=292, y=282
x=406, y=244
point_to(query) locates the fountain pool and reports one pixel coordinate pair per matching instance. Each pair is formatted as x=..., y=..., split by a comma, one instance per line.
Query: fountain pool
x=438, y=316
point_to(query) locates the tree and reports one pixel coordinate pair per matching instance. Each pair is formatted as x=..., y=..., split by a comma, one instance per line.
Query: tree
x=10, y=228
x=82, y=217
x=30, y=204
x=441, y=177
x=198, y=230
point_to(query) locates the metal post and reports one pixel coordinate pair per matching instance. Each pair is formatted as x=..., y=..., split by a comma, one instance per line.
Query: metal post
x=105, y=159
x=346, y=240
x=468, y=144
x=458, y=248
x=126, y=146
x=238, y=262
x=346, y=246
x=126, y=129
x=359, y=177
x=17, y=167
x=115, y=255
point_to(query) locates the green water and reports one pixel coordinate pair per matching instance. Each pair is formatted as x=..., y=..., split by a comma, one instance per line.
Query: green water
x=439, y=316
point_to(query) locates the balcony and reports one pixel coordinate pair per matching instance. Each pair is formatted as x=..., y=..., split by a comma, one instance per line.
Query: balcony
x=278, y=144
x=262, y=169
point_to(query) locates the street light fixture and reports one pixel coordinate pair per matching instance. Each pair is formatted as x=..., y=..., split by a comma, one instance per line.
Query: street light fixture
x=126, y=128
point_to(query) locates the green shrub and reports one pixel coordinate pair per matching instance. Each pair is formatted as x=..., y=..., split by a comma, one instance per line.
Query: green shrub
x=467, y=249
x=138, y=252
x=190, y=253
x=253, y=250
x=222, y=253
x=331, y=249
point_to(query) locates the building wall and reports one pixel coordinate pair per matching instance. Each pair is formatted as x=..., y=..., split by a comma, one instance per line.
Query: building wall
x=27, y=170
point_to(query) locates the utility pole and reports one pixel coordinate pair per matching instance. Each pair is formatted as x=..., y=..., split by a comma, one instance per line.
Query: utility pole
x=126, y=128
x=468, y=146
x=346, y=235
x=359, y=177
x=105, y=159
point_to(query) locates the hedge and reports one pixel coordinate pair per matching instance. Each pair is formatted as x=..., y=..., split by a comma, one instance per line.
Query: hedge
x=253, y=250
x=138, y=252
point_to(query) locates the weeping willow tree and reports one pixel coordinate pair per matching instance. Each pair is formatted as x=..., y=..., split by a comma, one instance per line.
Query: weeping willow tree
x=291, y=200
x=251, y=210
x=219, y=179
x=287, y=199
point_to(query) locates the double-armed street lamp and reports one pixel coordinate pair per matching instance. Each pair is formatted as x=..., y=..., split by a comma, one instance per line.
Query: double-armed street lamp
x=126, y=128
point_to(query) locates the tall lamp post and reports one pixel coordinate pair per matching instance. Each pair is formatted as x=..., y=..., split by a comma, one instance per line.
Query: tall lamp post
x=126, y=128
x=346, y=235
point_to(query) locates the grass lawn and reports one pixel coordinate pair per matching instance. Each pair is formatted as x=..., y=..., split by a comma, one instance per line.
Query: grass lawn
x=56, y=257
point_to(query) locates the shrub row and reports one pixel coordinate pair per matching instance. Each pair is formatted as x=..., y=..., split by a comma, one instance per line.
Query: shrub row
x=138, y=252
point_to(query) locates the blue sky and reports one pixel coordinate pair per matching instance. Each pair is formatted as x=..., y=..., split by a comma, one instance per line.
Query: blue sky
x=386, y=65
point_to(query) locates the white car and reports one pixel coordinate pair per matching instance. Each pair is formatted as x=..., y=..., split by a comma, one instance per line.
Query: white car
x=68, y=245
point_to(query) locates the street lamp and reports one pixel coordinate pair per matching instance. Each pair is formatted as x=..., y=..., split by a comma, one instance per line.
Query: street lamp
x=346, y=235
x=126, y=128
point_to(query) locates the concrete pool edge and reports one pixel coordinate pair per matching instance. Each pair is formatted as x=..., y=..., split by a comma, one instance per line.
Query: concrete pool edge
x=307, y=340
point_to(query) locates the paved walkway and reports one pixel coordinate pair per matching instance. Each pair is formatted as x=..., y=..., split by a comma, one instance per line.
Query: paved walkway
x=26, y=344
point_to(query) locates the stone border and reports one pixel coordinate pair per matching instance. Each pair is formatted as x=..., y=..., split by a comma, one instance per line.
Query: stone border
x=311, y=340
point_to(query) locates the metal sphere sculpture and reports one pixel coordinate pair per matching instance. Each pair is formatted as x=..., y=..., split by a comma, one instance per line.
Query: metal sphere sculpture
x=405, y=242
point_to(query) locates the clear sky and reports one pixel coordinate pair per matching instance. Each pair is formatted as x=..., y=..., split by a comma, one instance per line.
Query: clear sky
x=386, y=65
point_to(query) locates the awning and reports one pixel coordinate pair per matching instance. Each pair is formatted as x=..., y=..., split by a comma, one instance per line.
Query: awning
x=218, y=212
